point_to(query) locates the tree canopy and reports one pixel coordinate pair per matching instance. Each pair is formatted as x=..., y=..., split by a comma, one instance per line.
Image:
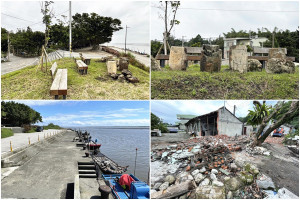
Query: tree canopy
x=157, y=123
x=18, y=114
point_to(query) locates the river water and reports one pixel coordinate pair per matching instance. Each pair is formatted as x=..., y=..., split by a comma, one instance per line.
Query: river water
x=120, y=143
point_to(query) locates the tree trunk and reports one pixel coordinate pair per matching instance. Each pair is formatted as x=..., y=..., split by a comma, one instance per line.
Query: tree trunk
x=289, y=115
x=96, y=47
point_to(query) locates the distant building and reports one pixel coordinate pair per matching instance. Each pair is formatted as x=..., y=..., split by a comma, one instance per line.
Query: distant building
x=183, y=119
x=253, y=42
x=219, y=122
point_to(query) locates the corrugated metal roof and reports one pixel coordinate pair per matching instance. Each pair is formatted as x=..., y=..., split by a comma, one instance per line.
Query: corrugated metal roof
x=185, y=116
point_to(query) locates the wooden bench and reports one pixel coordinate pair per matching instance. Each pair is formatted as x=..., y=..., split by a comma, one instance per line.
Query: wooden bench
x=86, y=60
x=60, y=84
x=81, y=66
x=53, y=69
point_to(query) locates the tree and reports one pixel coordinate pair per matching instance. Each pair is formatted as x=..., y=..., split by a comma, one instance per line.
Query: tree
x=155, y=45
x=92, y=29
x=157, y=123
x=17, y=114
x=169, y=10
x=48, y=14
x=262, y=118
x=4, y=45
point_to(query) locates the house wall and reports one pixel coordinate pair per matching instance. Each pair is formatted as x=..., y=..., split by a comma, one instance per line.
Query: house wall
x=256, y=41
x=228, y=124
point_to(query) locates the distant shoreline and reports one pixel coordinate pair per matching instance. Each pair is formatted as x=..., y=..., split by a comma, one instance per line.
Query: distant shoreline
x=112, y=127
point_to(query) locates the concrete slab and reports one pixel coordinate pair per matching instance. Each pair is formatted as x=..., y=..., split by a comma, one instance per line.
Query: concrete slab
x=49, y=174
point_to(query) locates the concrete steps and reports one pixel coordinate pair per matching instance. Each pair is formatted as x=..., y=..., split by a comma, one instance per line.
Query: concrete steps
x=87, y=170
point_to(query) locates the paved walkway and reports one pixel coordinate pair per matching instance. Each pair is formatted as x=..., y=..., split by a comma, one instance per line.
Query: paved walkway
x=19, y=140
x=49, y=174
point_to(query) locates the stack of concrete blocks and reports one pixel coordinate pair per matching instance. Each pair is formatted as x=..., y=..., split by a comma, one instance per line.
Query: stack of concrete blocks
x=111, y=67
x=178, y=58
x=277, y=62
x=123, y=63
x=238, y=58
x=211, y=58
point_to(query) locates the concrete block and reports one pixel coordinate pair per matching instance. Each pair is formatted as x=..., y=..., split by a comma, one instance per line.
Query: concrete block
x=277, y=53
x=123, y=64
x=111, y=66
x=211, y=58
x=238, y=58
x=178, y=58
x=76, y=187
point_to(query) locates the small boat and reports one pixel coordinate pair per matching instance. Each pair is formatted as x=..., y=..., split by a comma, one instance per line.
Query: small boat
x=138, y=189
x=107, y=165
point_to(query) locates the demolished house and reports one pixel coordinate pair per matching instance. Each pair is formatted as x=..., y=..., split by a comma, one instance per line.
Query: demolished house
x=219, y=122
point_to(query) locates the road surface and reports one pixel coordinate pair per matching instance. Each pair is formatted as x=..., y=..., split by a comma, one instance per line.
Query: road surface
x=19, y=140
x=17, y=63
x=142, y=58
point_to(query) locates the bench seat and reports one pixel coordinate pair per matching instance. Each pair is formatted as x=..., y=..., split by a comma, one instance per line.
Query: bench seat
x=60, y=84
x=81, y=66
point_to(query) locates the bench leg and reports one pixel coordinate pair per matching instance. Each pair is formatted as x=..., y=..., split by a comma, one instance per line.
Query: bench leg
x=64, y=97
x=56, y=97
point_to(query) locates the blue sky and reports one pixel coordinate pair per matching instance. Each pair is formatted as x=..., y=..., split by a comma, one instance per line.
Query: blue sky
x=92, y=113
x=167, y=110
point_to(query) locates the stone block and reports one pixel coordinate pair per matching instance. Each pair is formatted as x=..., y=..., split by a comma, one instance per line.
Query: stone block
x=211, y=58
x=123, y=64
x=111, y=66
x=178, y=58
x=238, y=58
x=277, y=53
x=210, y=192
x=279, y=65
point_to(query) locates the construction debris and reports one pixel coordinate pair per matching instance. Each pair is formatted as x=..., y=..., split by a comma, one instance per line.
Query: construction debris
x=208, y=164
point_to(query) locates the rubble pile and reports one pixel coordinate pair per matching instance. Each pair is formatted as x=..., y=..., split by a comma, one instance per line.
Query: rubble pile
x=125, y=75
x=208, y=164
x=254, y=65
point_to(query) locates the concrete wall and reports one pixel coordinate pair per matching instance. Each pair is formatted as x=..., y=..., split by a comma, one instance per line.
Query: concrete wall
x=16, y=129
x=228, y=124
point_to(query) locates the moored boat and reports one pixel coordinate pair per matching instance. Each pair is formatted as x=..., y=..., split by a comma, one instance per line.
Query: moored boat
x=138, y=189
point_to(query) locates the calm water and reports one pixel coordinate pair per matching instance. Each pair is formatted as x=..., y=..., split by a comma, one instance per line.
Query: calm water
x=140, y=47
x=119, y=144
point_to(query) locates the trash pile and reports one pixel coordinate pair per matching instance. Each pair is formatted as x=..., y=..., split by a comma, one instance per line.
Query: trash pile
x=205, y=168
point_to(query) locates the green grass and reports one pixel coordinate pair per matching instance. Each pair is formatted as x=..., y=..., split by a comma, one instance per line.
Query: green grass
x=6, y=132
x=193, y=84
x=32, y=83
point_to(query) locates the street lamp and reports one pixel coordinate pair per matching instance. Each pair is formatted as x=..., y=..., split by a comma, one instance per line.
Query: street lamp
x=126, y=37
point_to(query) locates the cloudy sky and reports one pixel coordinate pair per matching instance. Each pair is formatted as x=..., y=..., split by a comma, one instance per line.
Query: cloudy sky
x=167, y=110
x=136, y=15
x=92, y=113
x=213, y=18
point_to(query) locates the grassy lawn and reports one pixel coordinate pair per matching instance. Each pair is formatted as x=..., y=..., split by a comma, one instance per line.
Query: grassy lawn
x=6, y=132
x=193, y=84
x=32, y=83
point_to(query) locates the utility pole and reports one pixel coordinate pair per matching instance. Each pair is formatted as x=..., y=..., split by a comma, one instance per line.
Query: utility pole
x=126, y=37
x=273, y=39
x=8, y=47
x=182, y=40
x=70, y=28
x=234, y=107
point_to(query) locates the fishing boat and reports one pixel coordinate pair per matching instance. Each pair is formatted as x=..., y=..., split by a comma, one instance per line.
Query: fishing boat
x=138, y=189
x=107, y=165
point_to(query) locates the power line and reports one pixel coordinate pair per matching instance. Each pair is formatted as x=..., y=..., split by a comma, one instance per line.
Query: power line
x=233, y=10
x=15, y=17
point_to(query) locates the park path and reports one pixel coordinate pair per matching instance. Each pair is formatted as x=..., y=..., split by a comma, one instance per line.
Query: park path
x=20, y=140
